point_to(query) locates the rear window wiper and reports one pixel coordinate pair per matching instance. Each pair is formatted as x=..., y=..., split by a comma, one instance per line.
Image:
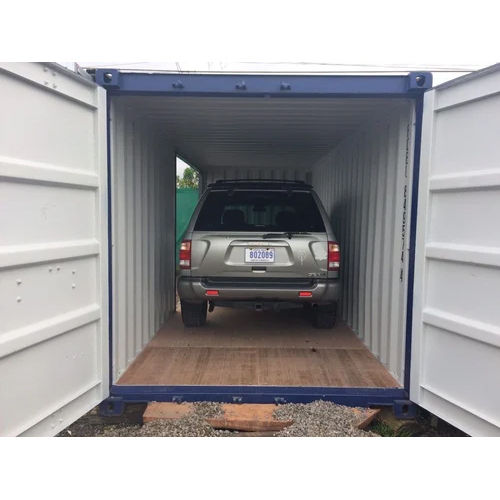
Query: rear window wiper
x=288, y=234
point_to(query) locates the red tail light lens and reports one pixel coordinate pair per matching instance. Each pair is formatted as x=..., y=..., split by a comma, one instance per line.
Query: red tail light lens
x=185, y=255
x=212, y=293
x=333, y=256
x=305, y=294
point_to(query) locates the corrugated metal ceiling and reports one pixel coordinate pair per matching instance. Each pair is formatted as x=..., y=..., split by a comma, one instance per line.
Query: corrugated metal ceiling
x=247, y=132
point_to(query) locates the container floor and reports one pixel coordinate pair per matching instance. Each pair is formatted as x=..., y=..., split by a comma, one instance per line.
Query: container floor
x=242, y=347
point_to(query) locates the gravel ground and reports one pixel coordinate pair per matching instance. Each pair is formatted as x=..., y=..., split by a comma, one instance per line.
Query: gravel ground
x=192, y=425
x=319, y=418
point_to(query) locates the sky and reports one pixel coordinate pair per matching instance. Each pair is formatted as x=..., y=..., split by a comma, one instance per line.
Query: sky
x=181, y=166
x=390, y=32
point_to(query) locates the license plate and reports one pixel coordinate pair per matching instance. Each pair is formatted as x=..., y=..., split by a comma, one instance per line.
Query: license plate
x=259, y=255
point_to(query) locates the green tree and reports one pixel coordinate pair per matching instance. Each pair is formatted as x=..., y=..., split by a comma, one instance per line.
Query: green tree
x=189, y=179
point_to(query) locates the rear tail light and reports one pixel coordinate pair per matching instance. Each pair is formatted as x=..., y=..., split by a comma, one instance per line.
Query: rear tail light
x=185, y=255
x=305, y=294
x=212, y=293
x=333, y=256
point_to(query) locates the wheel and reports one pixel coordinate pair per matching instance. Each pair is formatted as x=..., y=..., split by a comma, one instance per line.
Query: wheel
x=325, y=316
x=194, y=313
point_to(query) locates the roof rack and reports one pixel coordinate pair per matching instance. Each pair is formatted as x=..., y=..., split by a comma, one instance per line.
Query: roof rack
x=260, y=182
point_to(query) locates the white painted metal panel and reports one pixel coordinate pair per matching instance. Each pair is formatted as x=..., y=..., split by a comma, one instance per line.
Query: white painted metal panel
x=143, y=232
x=363, y=184
x=53, y=248
x=456, y=325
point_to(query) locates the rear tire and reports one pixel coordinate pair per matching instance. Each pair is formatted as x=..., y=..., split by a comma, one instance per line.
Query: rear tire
x=194, y=313
x=325, y=316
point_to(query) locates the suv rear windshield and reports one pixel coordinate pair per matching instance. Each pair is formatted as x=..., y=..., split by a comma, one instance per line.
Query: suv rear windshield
x=253, y=210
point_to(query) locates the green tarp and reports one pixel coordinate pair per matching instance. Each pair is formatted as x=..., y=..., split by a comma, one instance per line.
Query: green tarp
x=185, y=203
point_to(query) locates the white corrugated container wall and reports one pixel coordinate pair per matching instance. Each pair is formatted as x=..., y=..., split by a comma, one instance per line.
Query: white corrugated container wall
x=364, y=185
x=143, y=187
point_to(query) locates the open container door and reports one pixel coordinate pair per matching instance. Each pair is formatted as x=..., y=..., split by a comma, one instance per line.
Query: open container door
x=455, y=370
x=53, y=248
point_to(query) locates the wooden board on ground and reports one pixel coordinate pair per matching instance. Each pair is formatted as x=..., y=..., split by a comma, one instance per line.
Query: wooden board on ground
x=166, y=411
x=249, y=417
x=256, y=418
x=365, y=416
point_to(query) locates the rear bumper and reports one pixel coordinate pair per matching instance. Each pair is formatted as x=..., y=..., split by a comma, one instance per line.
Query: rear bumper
x=322, y=290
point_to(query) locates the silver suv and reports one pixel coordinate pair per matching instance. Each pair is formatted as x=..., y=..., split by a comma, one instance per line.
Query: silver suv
x=259, y=244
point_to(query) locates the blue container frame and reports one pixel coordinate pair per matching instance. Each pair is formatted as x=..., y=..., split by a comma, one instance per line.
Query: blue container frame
x=412, y=85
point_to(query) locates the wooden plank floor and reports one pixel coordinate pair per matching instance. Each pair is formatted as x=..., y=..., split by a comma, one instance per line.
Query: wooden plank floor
x=241, y=347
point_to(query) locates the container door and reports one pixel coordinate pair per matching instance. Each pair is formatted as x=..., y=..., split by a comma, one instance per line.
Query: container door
x=53, y=248
x=455, y=370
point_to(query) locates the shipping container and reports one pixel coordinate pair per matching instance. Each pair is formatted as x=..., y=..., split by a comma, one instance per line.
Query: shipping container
x=410, y=176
